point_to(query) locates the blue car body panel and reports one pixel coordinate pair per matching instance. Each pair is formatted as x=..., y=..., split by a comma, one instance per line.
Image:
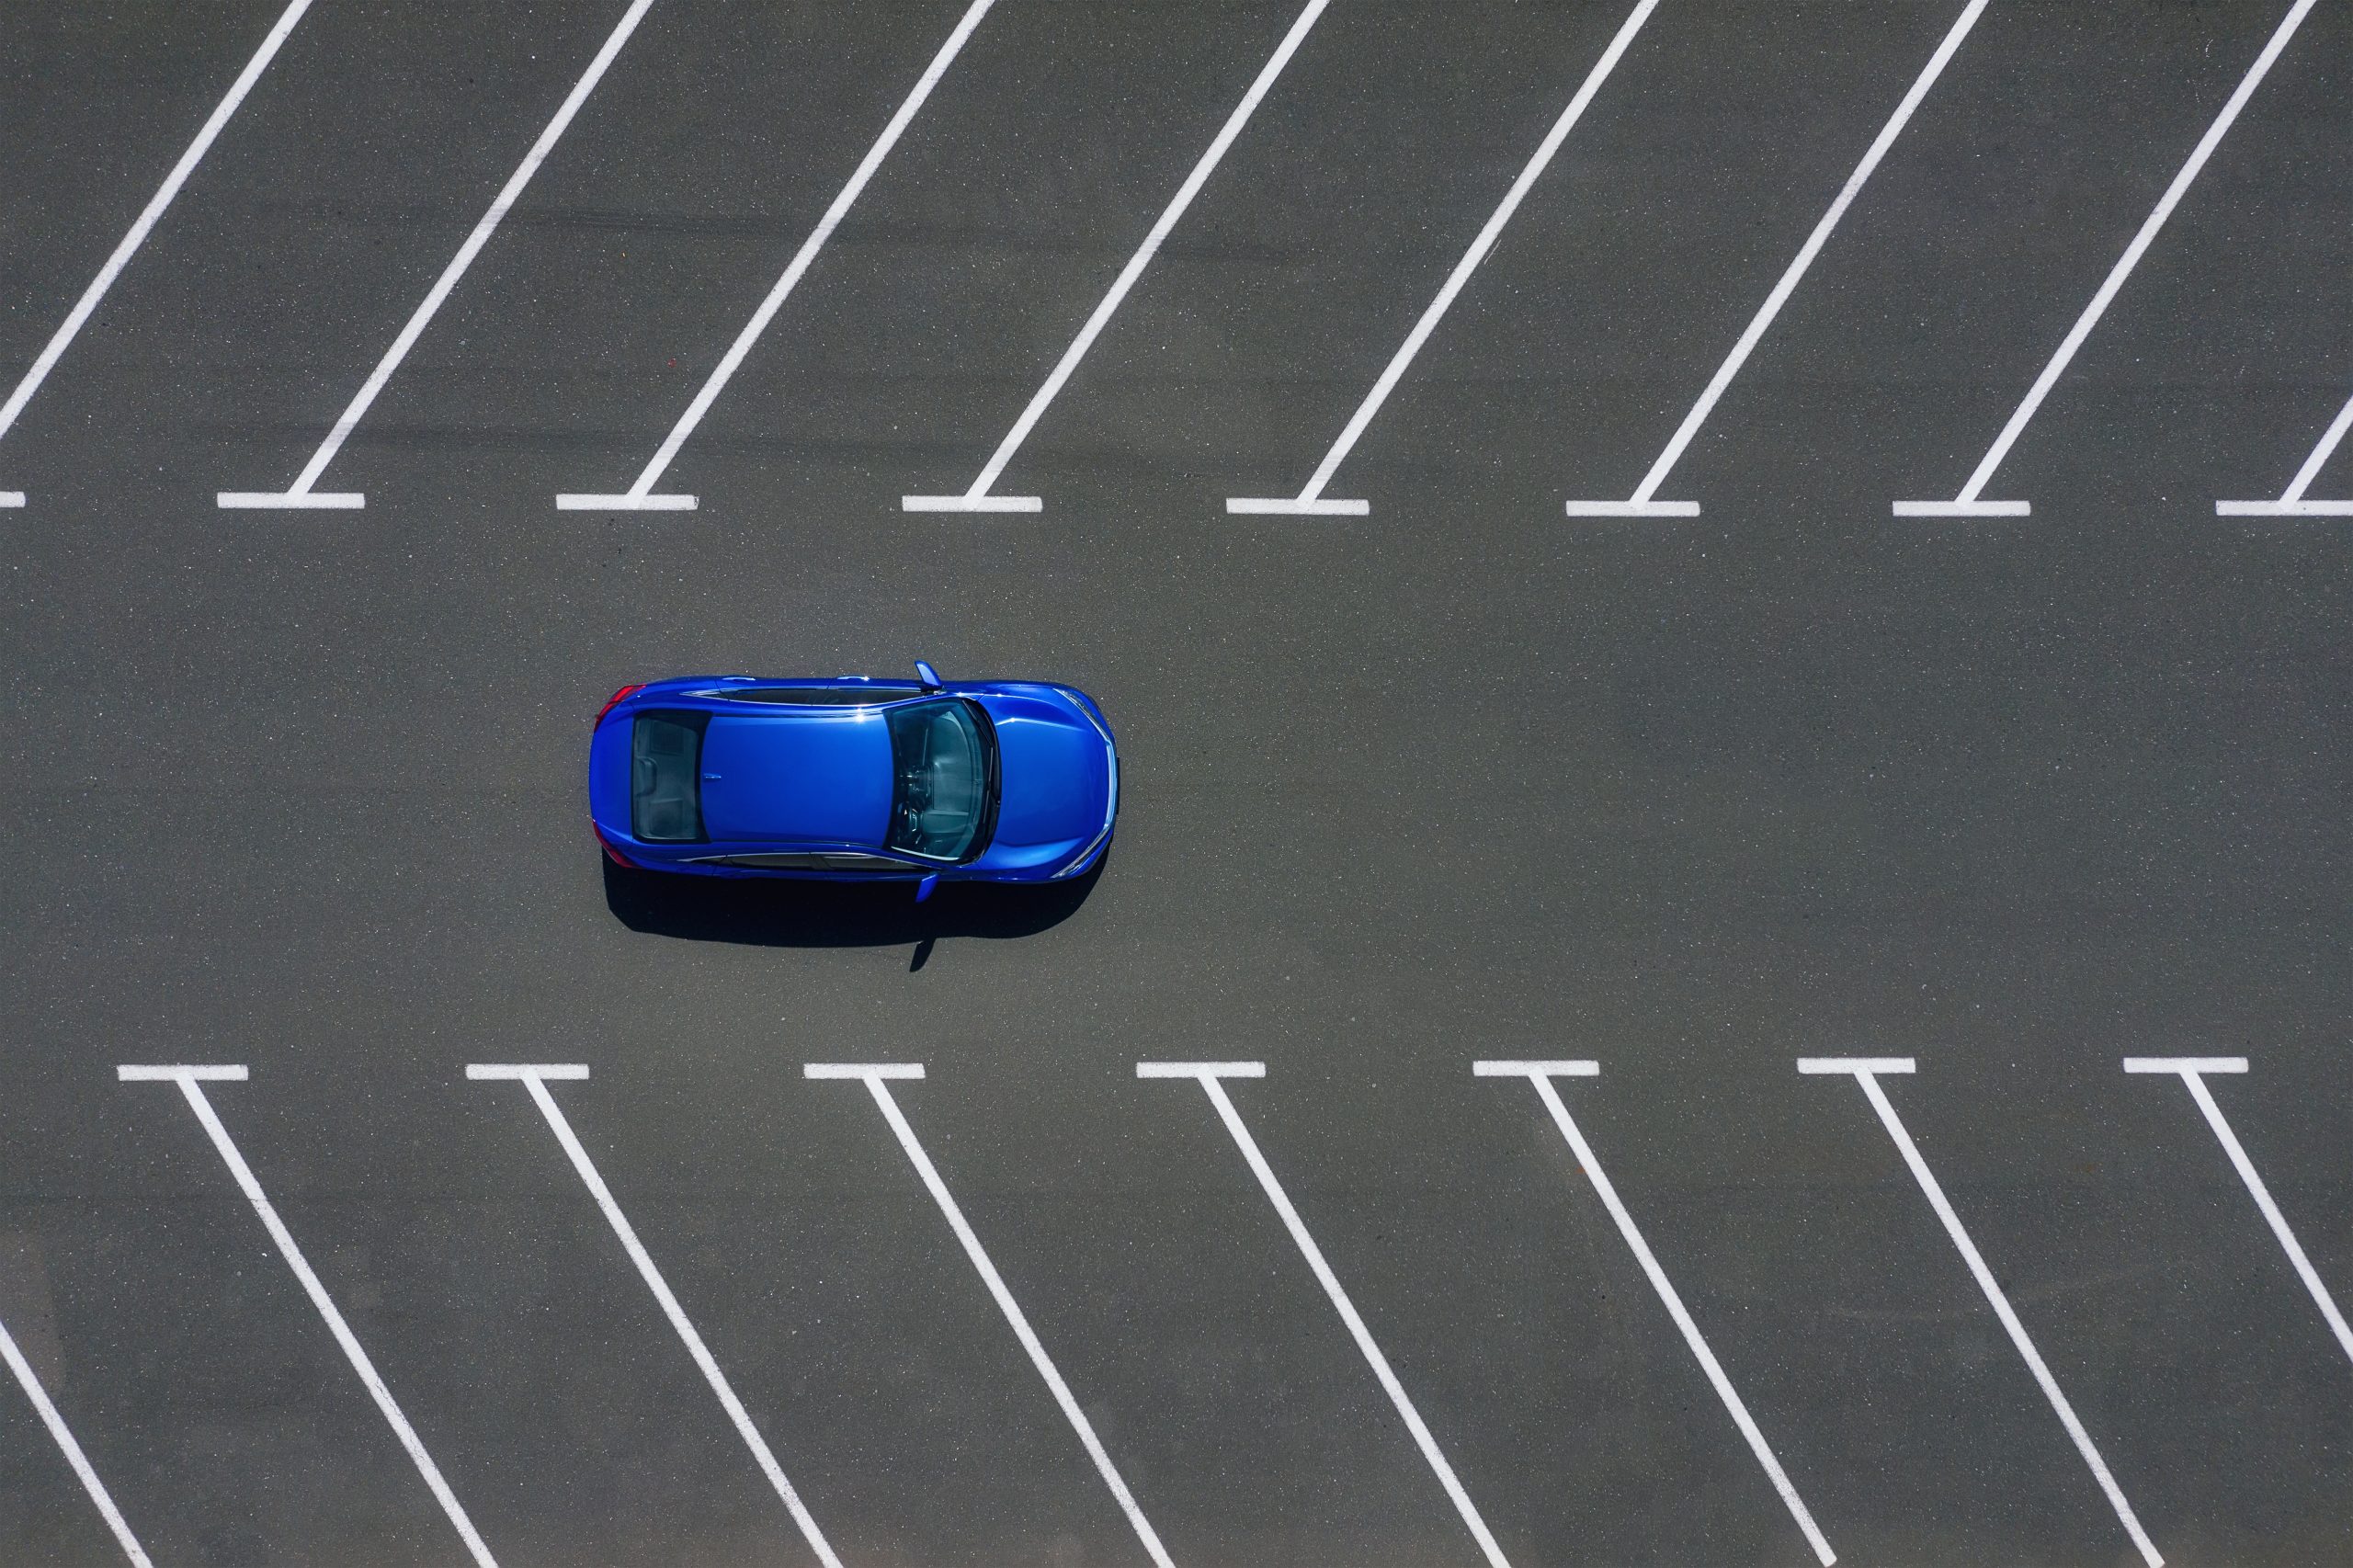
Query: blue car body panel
x=783, y=777
x=1056, y=790
x=822, y=776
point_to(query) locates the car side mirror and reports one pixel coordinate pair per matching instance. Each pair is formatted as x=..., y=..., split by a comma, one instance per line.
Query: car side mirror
x=925, y=887
x=930, y=677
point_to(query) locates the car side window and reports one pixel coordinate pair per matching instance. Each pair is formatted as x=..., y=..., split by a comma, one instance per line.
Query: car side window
x=863, y=694
x=837, y=861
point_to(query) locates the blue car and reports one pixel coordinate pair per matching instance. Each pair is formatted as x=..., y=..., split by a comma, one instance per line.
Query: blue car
x=854, y=779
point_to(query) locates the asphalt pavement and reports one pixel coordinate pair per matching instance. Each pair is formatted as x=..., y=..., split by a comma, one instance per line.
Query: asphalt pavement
x=1458, y=780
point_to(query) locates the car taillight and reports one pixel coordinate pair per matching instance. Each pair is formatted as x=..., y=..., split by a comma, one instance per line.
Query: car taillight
x=616, y=698
x=615, y=855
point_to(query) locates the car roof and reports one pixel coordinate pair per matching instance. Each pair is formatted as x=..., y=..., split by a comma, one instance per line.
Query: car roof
x=797, y=775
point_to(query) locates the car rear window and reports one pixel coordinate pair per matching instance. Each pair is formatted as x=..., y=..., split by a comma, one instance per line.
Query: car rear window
x=666, y=777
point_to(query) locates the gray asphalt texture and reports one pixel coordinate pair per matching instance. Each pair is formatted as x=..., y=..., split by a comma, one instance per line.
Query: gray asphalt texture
x=1461, y=779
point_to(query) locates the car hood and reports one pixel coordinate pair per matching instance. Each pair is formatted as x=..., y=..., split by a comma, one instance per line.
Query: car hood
x=820, y=777
x=1055, y=771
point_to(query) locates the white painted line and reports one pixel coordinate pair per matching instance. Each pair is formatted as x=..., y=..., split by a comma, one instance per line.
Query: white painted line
x=1479, y=245
x=1866, y=1075
x=485, y=1072
x=128, y=246
x=1964, y=509
x=75, y=1457
x=1763, y=319
x=2185, y=1065
x=1812, y=1065
x=862, y=1069
x=2291, y=502
x=648, y=503
x=191, y=1081
x=2283, y=508
x=1291, y=507
x=536, y=1081
x=971, y=503
x=290, y=500
x=877, y=1083
x=1209, y=1073
x=299, y=493
x=1541, y=1074
x=2192, y=1071
x=128, y=1073
x=831, y=219
x=1632, y=508
x=1169, y=218
x=2129, y=260
x=2321, y=452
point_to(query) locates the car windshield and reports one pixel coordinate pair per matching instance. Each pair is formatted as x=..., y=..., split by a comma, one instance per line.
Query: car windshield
x=943, y=758
x=665, y=789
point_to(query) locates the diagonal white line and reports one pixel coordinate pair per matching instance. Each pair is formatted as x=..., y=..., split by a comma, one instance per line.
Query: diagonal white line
x=488, y=225
x=1151, y=246
x=1811, y=248
x=2321, y=454
x=1480, y=246
x=703, y=1359
x=826, y=224
x=1018, y=1320
x=2010, y=1318
x=2196, y=1083
x=71, y=1449
x=1682, y=1316
x=247, y=1183
x=2133, y=252
x=65, y=335
x=1357, y=1330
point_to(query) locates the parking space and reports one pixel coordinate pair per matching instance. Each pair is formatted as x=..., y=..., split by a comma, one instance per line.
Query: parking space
x=1553, y=1390
x=1456, y=779
x=333, y=209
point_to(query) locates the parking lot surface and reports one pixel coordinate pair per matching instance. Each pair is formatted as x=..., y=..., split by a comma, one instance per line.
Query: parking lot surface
x=1641, y=810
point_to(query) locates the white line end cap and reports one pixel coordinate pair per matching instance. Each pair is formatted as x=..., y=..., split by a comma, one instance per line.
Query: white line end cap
x=290, y=500
x=1963, y=509
x=2263, y=509
x=971, y=504
x=625, y=503
x=1293, y=506
x=1634, y=508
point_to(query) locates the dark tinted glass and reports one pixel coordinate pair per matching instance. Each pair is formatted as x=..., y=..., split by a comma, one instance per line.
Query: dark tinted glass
x=837, y=862
x=666, y=777
x=817, y=696
x=940, y=754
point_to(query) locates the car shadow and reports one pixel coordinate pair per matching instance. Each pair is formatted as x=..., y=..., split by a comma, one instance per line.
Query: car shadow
x=780, y=913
